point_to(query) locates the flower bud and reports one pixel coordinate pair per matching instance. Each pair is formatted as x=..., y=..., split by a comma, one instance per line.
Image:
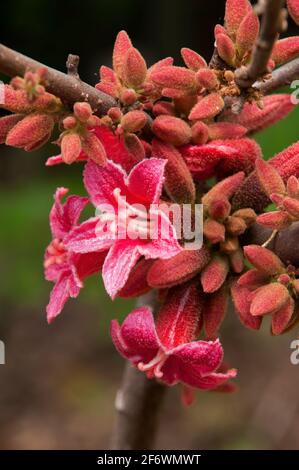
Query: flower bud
x=214, y=274
x=70, y=147
x=247, y=33
x=226, y=130
x=134, y=71
x=214, y=312
x=128, y=96
x=281, y=319
x=192, y=60
x=135, y=147
x=82, y=111
x=242, y=300
x=94, y=149
x=175, y=77
x=69, y=122
x=285, y=50
x=200, y=133
x=30, y=131
x=207, y=78
x=293, y=7
x=226, y=48
x=133, y=121
x=172, y=130
x=214, y=231
x=263, y=259
x=235, y=11
x=207, y=108
x=269, y=178
x=269, y=299
x=7, y=123
x=121, y=46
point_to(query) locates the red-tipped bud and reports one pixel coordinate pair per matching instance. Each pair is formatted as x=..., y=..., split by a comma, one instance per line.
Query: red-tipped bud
x=179, y=319
x=135, y=147
x=214, y=312
x=281, y=319
x=293, y=187
x=235, y=226
x=82, y=111
x=175, y=77
x=293, y=7
x=269, y=178
x=200, y=133
x=291, y=206
x=237, y=260
x=285, y=49
x=207, y=108
x=178, y=180
x=219, y=209
x=275, y=108
x=225, y=189
x=278, y=220
x=248, y=215
x=163, y=107
x=235, y=11
x=207, y=78
x=192, y=60
x=269, y=299
x=7, y=123
x=219, y=29
x=214, y=231
x=69, y=122
x=115, y=114
x=136, y=284
x=133, y=121
x=242, y=298
x=30, y=131
x=230, y=245
x=107, y=74
x=178, y=269
x=214, y=274
x=121, y=46
x=247, y=32
x=226, y=48
x=226, y=130
x=263, y=259
x=241, y=155
x=172, y=130
x=94, y=149
x=134, y=71
x=70, y=147
x=253, y=279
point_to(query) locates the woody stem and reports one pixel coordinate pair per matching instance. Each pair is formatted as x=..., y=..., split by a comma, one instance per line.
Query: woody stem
x=138, y=404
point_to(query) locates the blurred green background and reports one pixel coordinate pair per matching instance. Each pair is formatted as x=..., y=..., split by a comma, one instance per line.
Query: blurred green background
x=58, y=385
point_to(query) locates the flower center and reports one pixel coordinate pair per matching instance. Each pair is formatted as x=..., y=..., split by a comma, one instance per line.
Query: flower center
x=130, y=220
x=153, y=368
x=56, y=253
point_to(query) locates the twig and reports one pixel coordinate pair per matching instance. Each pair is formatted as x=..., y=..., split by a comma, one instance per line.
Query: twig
x=138, y=404
x=270, y=239
x=72, y=65
x=272, y=25
x=281, y=77
x=66, y=87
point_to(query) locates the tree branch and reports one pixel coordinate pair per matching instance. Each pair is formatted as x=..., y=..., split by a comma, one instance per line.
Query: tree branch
x=272, y=24
x=138, y=404
x=281, y=77
x=67, y=87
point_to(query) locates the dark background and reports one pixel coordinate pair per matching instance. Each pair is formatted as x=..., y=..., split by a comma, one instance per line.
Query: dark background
x=58, y=385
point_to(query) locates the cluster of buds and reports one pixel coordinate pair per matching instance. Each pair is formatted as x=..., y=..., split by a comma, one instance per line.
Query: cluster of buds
x=171, y=130
x=269, y=288
x=285, y=197
x=35, y=112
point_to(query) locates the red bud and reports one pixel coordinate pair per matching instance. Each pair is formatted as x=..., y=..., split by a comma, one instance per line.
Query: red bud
x=31, y=130
x=135, y=147
x=121, y=46
x=178, y=269
x=226, y=130
x=192, y=60
x=225, y=189
x=174, y=77
x=269, y=178
x=226, y=48
x=200, y=133
x=269, y=299
x=242, y=298
x=208, y=107
x=285, y=50
x=70, y=147
x=94, y=149
x=235, y=11
x=214, y=312
x=178, y=180
x=214, y=274
x=172, y=130
x=207, y=78
x=281, y=319
x=133, y=121
x=278, y=220
x=253, y=279
x=293, y=7
x=134, y=71
x=7, y=123
x=214, y=231
x=82, y=111
x=247, y=32
x=263, y=259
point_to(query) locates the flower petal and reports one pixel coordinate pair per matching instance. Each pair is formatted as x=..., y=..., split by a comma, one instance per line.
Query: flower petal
x=146, y=180
x=122, y=257
x=100, y=182
x=64, y=216
x=61, y=292
x=89, y=236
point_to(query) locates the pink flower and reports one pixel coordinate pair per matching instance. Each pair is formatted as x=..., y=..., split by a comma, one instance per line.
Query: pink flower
x=192, y=363
x=110, y=188
x=63, y=267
